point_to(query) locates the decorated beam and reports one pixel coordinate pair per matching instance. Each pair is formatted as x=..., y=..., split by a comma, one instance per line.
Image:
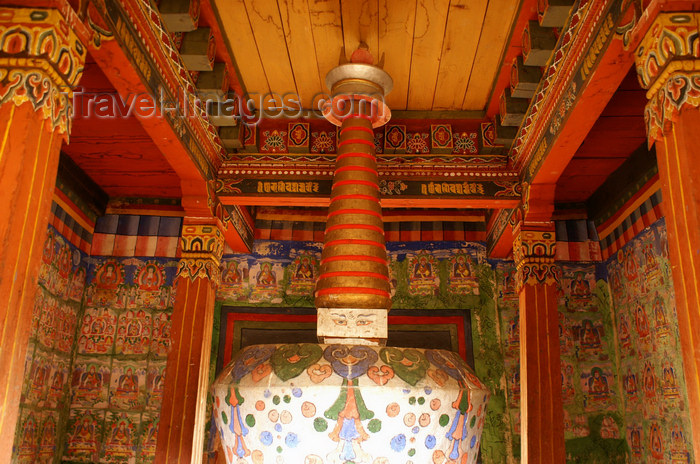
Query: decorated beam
x=499, y=235
x=402, y=142
x=137, y=54
x=314, y=190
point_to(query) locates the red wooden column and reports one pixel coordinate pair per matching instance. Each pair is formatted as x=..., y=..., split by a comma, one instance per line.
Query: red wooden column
x=40, y=56
x=673, y=126
x=542, y=417
x=183, y=412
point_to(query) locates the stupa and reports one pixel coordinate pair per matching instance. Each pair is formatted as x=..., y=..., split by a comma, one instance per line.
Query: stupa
x=351, y=399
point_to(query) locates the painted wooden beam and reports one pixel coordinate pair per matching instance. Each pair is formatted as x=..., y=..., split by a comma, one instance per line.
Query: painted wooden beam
x=504, y=134
x=133, y=70
x=179, y=15
x=214, y=83
x=224, y=113
x=538, y=44
x=231, y=136
x=512, y=110
x=198, y=49
x=553, y=13
x=524, y=79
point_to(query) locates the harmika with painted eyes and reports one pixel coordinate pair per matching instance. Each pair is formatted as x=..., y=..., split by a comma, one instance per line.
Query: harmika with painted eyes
x=353, y=320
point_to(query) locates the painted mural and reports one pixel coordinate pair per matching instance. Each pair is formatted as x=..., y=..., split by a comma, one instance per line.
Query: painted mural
x=593, y=425
x=651, y=366
x=424, y=275
x=57, y=307
x=116, y=382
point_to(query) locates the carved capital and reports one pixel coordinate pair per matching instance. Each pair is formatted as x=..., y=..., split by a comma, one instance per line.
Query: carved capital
x=668, y=66
x=533, y=252
x=201, y=248
x=41, y=60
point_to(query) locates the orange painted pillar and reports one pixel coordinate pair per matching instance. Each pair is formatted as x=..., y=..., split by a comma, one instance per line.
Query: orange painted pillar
x=668, y=65
x=542, y=416
x=39, y=58
x=183, y=411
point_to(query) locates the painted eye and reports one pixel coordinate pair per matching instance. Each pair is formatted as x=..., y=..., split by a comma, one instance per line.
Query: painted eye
x=364, y=322
x=341, y=322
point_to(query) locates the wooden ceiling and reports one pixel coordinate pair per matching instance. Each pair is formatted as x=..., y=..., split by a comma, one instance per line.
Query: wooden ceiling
x=442, y=54
x=117, y=153
x=617, y=133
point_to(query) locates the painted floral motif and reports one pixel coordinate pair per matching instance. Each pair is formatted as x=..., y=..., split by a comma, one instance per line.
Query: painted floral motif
x=464, y=143
x=417, y=143
x=323, y=142
x=288, y=361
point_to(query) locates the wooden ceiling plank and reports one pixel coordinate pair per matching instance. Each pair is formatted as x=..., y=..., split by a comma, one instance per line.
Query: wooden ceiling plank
x=431, y=16
x=397, y=20
x=500, y=15
x=462, y=35
x=265, y=21
x=297, y=30
x=361, y=24
x=327, y=32
x=239, y=35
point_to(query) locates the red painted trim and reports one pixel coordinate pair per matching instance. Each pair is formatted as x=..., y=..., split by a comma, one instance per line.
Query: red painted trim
x=356, y=153
x=355, y=211
x=360, y=290
x=641, y=192
x=354, y=241
x=74, y=208
x=356, y=196
x=375, y=275
x=355, y=182
x=356, y=168
x=355, y=226
x=357, y=128
x=333, y=259
x=358, y=141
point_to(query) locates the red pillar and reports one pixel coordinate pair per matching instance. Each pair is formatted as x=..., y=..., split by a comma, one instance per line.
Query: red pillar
x=34, y=121
x=183, y=412
x=542, y=417
x=673, y=125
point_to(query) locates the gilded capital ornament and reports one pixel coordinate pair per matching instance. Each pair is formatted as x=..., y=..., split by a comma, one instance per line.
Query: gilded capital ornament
x=201, y=248
x=41, y=60
x=668, y=66
x=533, y=252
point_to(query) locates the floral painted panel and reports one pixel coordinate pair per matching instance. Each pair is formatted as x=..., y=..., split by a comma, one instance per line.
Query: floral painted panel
x=272, y=400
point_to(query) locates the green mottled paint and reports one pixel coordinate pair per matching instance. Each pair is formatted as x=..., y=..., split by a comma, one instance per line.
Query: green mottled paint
x=320, y=424
x=409, y=364
x=288, y=361
x=596, y=450
x=488, y=360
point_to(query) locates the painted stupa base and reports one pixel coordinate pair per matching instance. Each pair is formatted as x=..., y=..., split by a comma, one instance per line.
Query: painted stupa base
x=340, y=404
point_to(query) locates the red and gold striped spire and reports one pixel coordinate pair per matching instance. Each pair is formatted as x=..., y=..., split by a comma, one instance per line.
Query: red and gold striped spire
x=353, y=292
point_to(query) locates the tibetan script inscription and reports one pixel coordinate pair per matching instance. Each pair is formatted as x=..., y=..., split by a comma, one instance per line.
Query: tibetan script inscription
x=452, y=188
x=287, y=187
